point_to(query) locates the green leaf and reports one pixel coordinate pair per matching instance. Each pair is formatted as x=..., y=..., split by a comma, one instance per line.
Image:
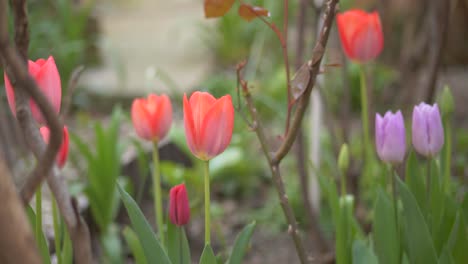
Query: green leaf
x=415, y=181
x=419, y=245
x=153, y=251
x=446, y=225
x=363, y=254
x=41, y=241
x=445, y=257
x=386, y=233
x=208, y=257
x=241, y=244
x=135, y=245
x=177, y=244
x=458, y=241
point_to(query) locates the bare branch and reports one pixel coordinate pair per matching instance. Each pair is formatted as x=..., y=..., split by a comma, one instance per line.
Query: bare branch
x=314, y=68
x=25, y=87
x=17, y=244
x=274, y=161
x=72, y=84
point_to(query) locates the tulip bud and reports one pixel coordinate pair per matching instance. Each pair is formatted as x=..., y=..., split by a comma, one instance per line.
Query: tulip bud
x=447, y=105
x=390, y=139
x=63, y=151
x=152, y=117
x=47, y=78
x=360, y=34
x=179, y=209
x=208, y=124
x=427, y=132
x=343, y=158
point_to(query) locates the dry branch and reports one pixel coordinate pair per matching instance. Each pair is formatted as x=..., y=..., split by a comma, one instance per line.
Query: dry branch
x=15, y=62
x=17, y=244
x=275, y=160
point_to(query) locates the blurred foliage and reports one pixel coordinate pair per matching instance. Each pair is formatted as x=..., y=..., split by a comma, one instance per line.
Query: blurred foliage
x=65, y=30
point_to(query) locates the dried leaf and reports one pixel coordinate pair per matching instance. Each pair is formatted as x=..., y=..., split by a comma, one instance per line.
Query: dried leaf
x=248, y=12
x=300, y=81
x=217, y=8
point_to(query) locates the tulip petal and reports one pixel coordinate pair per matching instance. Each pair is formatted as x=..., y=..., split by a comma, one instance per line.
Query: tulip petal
x=189, y=126
x=420, y=131
x=436, y=130
x=48, y=80
x=140, y=119
x=10, y=93
x=217, y=127
x=200, y=103
x=394, y=147
x=368, y=39
x=348, y=23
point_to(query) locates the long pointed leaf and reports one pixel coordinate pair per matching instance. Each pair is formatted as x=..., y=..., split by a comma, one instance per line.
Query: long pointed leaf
x=153, y=251
x=386, y=238
x=241, y=244
x=419, y=244
x=208, y=256
x=177, y=245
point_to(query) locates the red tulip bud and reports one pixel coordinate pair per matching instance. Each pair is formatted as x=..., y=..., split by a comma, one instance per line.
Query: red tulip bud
x=179, y=209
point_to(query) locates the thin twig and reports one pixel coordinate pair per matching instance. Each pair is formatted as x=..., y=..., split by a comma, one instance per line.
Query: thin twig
x=320, y=242
x=72, y=84
x=287, y=209
x=314, y=68
x=274, y=161
x=24, y=87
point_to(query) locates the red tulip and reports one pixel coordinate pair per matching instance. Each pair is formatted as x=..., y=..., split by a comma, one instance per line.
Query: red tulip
x=361, y=34
x=179, y=209
x=63, y=151
x=152, y=117
x=47, y=77
x=208, y=124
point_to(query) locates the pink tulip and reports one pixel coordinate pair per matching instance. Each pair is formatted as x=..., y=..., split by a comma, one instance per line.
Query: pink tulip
x=152, y=117
x=63, y=151
x=47, y=77
x=179, y=209
x=208, y=124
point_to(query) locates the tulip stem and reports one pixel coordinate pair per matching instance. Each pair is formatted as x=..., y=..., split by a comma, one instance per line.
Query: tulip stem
x=429, y=188
x=157, y=193
x=57, y=240
x=207, y=203
x=364, y=113
x=394, y=175
x=39, y=214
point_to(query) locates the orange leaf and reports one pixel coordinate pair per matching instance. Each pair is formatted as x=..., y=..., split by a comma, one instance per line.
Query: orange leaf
x=217, y=8
x=248, y=12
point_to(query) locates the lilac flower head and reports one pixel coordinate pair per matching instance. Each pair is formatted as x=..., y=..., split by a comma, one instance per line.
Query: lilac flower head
x=427, y=130
x=390, y=138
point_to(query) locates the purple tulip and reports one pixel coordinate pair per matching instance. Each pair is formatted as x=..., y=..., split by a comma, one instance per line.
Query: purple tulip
x=390, y=138
x=428, y=133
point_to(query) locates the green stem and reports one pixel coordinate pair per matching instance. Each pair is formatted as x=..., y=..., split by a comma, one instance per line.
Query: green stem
x=207, y=203
x=157, y=193
x=364, y=114
x=394, y=176
x=39, y=213
x=343, y=184
x=394, y=196
x=57, y=234
x=181, y=255
x=429, y=189
x=448, y=154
